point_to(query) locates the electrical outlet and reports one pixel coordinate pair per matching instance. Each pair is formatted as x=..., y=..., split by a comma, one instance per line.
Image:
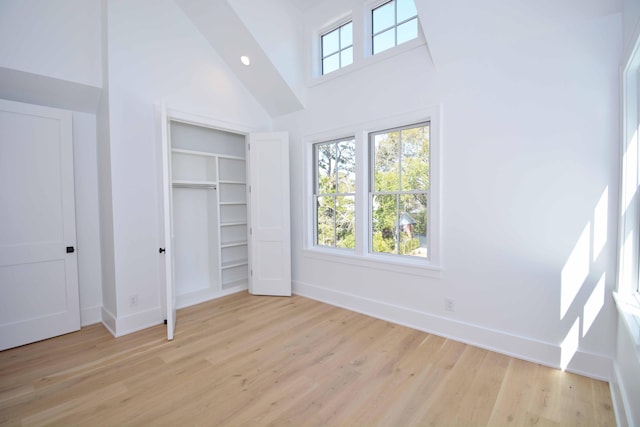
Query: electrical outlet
x=133, y=300
x=449, y=304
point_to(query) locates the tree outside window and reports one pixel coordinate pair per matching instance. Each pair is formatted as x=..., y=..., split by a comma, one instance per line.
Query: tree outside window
x=334, y=193
x=399, y=192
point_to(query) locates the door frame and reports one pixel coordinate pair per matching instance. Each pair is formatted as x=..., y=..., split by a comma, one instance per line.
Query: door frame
x=165, y=115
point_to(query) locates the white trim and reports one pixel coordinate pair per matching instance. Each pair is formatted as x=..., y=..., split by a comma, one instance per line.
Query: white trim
x=109, y=321
x=521, y=347
x=90, y=315
x=621, y=404
x=193, y=298
x=361, y=255
x=362, y=55
x=138, y=321
x=205, y=121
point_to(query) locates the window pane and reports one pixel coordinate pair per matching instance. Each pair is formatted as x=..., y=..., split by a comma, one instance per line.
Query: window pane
x=408, y=31
x=412, y=225
x=415, y=158
x=386, y=162
x=406, y=9
x=345, y=222
x=326, y=226
x=346, y=35
x=346, y=164
x=325, y=164
x=384, y=41
x=331, y=63
x=384, y=216
x=330, y=43
x=346, y=57
x=383, y=17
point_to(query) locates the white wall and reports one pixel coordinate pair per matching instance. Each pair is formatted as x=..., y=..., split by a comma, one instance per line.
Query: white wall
x=85, y=163
x=53, y=38
x=625, y=385
x=529, y=151
x=155, y=56
x=50, y=55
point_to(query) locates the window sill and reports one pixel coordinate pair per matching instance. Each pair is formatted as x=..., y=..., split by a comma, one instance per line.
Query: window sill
x=366, y=61
x=629, y=308
x=416, y=267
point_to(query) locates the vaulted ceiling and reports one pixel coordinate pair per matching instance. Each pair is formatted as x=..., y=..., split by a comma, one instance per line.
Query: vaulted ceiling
x=272, y=34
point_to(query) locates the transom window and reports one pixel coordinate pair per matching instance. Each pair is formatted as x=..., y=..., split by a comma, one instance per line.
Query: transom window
x=393, y=23
x=337, y=48
x=399, y=190
x=335, y=193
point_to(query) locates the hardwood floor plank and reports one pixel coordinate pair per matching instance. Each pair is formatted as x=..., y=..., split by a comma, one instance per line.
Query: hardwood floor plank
x=244, y=360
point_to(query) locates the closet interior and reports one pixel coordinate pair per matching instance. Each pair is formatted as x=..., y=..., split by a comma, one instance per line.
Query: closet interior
x=209, y=213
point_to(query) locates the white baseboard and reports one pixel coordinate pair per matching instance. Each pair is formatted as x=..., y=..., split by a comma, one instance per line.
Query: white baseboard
x=193, y=298
x=619, y=398
x=590, y=365
x=109, y=321
x=90, y=315
x=119, y=326
x=138, y=321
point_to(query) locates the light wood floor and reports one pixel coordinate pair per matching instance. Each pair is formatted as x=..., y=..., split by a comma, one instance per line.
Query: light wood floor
x=251, y=361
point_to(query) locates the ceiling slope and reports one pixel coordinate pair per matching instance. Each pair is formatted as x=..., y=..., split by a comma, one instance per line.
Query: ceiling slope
x=229, y=36
x=461, y=29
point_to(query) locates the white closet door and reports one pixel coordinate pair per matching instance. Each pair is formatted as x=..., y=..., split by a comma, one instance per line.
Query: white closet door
x=166, y=252
x=38, y=264
x=270, y=237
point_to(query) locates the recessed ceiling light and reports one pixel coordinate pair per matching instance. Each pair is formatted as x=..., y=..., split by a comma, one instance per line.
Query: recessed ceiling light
x=245, y=60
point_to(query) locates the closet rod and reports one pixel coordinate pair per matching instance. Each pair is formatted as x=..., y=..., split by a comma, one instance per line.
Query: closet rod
x=194, y=185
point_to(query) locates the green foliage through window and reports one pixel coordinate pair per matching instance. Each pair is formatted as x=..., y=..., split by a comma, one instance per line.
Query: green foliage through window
x=334, y=193
x=399, y=190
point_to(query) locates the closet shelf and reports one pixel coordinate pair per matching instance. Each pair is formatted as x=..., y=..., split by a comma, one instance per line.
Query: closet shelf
x=236, y=263
x=193, y=152
x=234, y=243
x=226, y=181
x=230, y=224
x=231, y=203
x=179, y=183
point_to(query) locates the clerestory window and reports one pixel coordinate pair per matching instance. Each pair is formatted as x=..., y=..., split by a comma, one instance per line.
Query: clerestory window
x=393, y=23
x=337, y=48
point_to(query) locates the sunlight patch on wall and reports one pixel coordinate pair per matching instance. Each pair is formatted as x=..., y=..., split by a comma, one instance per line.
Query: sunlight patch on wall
x=575, y=271
x=569, y=345
x=593, y=305
x=600, y=220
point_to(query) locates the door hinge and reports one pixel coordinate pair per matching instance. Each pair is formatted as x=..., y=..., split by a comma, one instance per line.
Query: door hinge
x=249, y=189
x=250, y=231
x=251, y=272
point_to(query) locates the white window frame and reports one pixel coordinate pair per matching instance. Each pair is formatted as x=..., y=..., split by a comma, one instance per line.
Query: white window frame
x=395, y=26
x=360, y=17
x=371, y=188
x=333, y=195
x=627, y=293
x=361, y=256
x=340, y=48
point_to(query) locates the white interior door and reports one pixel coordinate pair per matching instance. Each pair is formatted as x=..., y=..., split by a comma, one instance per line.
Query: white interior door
x=38, y=264
x=269, y=216
x=166, y=251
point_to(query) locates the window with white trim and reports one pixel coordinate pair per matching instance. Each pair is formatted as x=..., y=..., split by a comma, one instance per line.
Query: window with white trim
x=337, y=48
x=399, y=190
x=335, y=193
x=393, y=23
